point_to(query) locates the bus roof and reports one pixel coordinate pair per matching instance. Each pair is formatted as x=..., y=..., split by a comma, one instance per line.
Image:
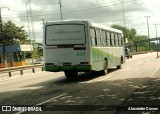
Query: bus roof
x=82, y=21
x=105, y=27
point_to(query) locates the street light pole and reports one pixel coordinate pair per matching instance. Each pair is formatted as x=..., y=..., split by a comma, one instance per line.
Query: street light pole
x=148, y=31
x=1, y=30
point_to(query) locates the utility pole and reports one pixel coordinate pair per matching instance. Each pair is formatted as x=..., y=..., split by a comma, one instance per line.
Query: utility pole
x=122, y=1
x=29, y=34
x=2, y=37
x=148, y=32
x=157, y=38
x=29, y=31
x=31, y=19
x=60, y=5
x=32, y=26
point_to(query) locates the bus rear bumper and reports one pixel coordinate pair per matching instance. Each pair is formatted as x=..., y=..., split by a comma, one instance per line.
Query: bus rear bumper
x=67, y=68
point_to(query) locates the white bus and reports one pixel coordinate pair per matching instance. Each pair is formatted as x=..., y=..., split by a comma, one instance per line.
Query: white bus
x=75, y=46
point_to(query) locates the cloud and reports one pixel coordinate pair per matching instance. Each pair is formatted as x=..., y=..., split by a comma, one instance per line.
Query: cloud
x=105, y=12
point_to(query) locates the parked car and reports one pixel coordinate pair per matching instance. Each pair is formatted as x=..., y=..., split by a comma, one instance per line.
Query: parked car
x=128, y=53
x=39, y=61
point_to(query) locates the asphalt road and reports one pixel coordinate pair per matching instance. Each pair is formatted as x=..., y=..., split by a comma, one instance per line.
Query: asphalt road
x=136, y=84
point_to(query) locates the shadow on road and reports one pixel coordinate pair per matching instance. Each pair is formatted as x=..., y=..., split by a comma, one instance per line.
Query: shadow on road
x=82, y=77
x=126, y=92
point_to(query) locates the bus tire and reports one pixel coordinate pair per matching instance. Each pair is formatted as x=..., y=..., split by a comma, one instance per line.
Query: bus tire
x=105, y=70
x=71, y=75
x=120, y=66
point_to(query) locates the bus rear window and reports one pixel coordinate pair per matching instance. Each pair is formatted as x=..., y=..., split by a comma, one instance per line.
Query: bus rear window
x=63, y=34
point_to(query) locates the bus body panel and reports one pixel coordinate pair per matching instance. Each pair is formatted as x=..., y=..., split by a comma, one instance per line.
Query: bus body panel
x=113, y=54
x=61, y=55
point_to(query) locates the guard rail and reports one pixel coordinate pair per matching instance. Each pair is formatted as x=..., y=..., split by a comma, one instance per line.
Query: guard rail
x=141, y=52
x=20, y=68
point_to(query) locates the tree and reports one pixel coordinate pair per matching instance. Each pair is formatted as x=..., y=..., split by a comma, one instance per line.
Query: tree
x=39, y=49
x=13, y=34
x=127, y=33
x=140, y=40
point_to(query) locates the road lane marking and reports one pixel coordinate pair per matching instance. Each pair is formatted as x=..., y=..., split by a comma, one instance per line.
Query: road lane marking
x=50, y=99
x=45, y=102
x=105, y=78
x=126, y=69
x=96, y=80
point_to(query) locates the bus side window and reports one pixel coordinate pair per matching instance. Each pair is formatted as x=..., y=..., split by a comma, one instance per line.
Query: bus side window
x=112, y=39
x=116, y=40
x=98, y=37
x=120, y=39
x=103, y=38
x=108, y=38
x=93, y=36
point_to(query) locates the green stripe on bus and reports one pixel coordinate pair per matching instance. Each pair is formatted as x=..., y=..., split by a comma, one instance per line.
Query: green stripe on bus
x=63, y=68
x=98, y=56
x=97, y=52
x=51, y=68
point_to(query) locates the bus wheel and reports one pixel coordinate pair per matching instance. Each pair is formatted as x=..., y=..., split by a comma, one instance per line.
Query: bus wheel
x=120, y=66
x=105, y=71
x=71, y=75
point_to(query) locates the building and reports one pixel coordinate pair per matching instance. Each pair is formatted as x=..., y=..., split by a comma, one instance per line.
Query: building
x=14, y=55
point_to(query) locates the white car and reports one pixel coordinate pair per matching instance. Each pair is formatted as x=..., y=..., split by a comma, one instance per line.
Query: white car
x=39, y=61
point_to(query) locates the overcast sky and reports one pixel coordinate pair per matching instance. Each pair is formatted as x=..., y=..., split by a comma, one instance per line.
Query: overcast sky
x=105, y=12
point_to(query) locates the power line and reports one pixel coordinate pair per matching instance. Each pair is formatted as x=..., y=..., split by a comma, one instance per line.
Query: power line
x=57, y=10
x=91, y=5
x=71, y=11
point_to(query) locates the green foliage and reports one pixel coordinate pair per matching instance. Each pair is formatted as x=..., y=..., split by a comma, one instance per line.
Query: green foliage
x=38, y=51
x=153, y=46
x=13, y=34
x=140, y=37
x=132, y=36
x=16, y=35
x=127, y=33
